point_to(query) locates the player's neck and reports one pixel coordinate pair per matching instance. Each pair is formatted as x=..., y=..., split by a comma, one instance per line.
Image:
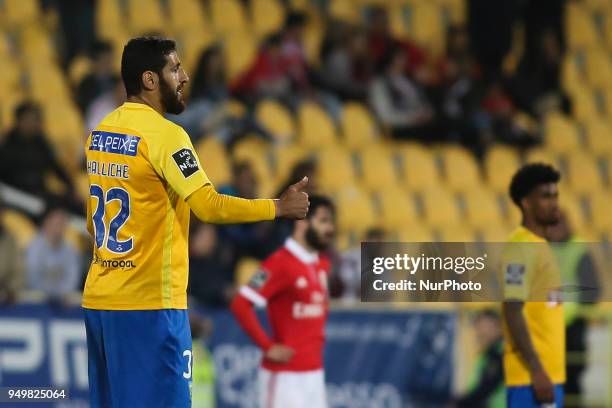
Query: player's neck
x=302, y=242
x=534, y=227
x=146, y=100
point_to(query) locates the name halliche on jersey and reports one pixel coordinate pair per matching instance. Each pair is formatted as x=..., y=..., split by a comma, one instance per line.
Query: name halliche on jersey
x=115, y=170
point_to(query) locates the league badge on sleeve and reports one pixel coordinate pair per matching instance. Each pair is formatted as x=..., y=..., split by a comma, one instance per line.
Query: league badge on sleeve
x=515, y=274
x=186, y=162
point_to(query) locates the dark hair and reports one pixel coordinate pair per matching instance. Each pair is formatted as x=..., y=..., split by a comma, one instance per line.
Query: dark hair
x=201, y=79
x=317, y=201
x=295, y=19
x=143, y=54
x=25, y=108
x=529, y=177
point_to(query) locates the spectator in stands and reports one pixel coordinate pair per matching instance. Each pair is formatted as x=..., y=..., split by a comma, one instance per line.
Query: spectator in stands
x=349, y=270
x=292, y=50
x=347, y=67
x=268, y=76
x=210, y=111
x=52, y=264
x=248, y=239
x=105, y=104
x=382, y=42
x=486, y=388
x=11, y=273
x=101, y=79
x=26, y=157
x=400, y=103
x=211, y=265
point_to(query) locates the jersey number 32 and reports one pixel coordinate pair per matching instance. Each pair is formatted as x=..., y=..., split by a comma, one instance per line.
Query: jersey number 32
x=107, y=235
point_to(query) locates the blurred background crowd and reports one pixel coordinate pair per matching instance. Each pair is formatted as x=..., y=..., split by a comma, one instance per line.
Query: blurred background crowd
x=411, y=115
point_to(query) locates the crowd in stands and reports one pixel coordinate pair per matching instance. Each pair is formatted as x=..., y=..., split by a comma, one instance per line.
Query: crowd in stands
x=463, y=95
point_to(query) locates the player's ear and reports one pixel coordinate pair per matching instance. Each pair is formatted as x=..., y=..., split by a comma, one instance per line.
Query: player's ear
x=149, y=80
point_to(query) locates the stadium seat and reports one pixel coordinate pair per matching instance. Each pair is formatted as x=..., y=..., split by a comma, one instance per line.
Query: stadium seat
x=415, y=232
x=440, y=207
x=17, y=13
x=457, y=234
x=191, y=43
x=419, y=167
x=187, y=15
x=313, y=37
x=460, y=168
x=580, y=29
x=284, y=157
x=214, y=160
x=355, y=210
x=8, y=103
x=240, y=51
x=573, y=207
x=79, y=67
x=584, y=106
x=255, y=151
x=37, y=48
x=358, y=128
x=316, y=126
x=500, y=163
x=344, y=10
x=601, y=216
x=22, y=228
x=267, y=16
x=378, y=170
x=560, y=133
x=397, y=210
x=426, y=26
x=335, y=168
x=583, y=173
x=245, y=269
x=542, y=155
x=599, y=136
x=146, y=16
x=599, y=68
x=228, y=17
x=276, y=119
x=482, y=207
x=108, y=17
x=494, y=233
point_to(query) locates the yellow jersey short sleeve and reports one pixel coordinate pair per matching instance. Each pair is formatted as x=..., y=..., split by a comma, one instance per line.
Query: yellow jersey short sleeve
x=173, y=158
x=530, y=272
x=141, y=169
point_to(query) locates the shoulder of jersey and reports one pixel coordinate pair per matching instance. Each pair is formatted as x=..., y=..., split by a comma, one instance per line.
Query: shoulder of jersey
x=522, y=234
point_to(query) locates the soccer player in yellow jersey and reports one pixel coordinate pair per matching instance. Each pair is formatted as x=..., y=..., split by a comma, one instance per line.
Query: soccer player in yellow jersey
x=534, y=352
x=144, y=178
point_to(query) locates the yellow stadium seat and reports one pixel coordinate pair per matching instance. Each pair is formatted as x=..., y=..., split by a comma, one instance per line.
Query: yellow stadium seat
x=285, y=157
x=495, y=233
x=573, y=208
x=316, y=127
x=457, y=234
x=335, y=168
x=561, y=135
x=240, y=52
x=456, y=10
x=580, y=27
x=255, y=151
x=214, y=160
x=312, y=45
x=37, y=48
x=228, y=17
x=440, y=207
x=355, y=210
x=8, y=103
x=146, y=16
x=416, y=232
x=571, y=76
x=187, y=15
x=461, y=170
x=20, y=12
x=601, y=216
x=245, y=269
x=80, y=66
x=397, y=210
x=344, y=10
x=583, y=173
x=542, y=155
x=358, y=128
x=419, y=167
x=277, y=119
x=584, y=105
x=267, y=16
x=108, y=17
x=22, y=228
x=511, y=212
x=599, y=68
x=482, y=207
x=599, y=136
x=378, y=171
x=500, y=163
x=191, y=42
x=426, y=26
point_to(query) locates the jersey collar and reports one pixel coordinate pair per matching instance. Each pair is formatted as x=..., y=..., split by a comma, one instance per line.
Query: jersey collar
x=136, y=105
x=300, y=252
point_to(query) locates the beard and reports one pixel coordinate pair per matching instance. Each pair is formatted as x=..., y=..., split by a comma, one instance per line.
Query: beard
x=315, y=240
x=170, y=98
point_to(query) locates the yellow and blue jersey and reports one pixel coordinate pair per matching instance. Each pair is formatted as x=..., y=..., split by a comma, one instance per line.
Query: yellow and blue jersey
x=141, y=168
x=531, y=273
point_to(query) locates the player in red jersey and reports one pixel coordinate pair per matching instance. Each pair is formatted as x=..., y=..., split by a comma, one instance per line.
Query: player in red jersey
x=292, y=285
